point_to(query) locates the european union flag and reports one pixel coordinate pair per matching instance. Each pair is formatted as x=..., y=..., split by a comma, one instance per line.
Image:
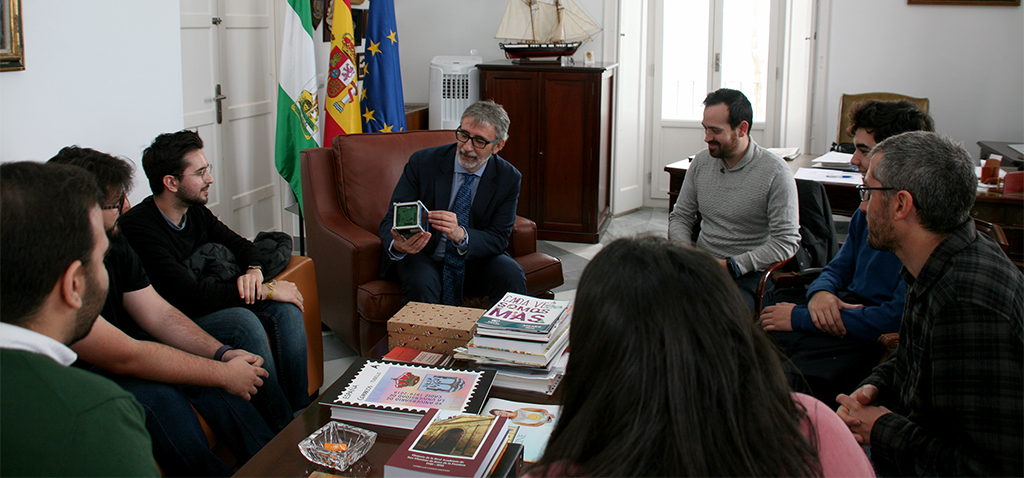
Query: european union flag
x=383, y=102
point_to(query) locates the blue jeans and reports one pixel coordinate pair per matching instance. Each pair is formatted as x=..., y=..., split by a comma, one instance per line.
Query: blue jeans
x=747, y=283
x=179, y=443
x=276, y=332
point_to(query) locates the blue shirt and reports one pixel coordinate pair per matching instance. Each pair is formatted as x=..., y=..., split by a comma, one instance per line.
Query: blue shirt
x=867, y=273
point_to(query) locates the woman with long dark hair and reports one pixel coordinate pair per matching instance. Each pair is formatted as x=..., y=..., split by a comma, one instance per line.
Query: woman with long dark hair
x=668, y=376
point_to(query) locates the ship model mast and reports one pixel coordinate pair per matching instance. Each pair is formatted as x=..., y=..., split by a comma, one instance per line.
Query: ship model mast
x=544, y=30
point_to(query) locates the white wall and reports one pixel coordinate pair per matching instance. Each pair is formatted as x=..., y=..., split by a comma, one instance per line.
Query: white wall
x=967, y=60
x=99, y=74
x=453, y=27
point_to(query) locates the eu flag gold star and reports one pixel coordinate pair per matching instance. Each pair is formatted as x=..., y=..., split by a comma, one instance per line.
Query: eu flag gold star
x=368, y=116
x=392, y=37
x=374, y=47
x=387, y=128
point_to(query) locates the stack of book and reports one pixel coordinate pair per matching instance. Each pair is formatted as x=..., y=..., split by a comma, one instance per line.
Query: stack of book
x=525, y=340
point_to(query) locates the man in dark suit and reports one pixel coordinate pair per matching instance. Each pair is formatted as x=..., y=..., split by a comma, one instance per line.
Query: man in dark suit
x=471, y=194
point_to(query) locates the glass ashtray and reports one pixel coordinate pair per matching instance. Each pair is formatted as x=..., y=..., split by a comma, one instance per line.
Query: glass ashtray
x=337, y=445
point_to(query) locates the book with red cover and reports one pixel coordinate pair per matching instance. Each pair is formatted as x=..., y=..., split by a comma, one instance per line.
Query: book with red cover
x=446, y=443
x=410, y=355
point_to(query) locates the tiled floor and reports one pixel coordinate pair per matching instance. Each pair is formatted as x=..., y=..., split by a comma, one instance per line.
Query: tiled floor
x=574, y=257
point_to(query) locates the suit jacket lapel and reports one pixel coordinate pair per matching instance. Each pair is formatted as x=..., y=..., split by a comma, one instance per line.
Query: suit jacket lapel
x=443, y=180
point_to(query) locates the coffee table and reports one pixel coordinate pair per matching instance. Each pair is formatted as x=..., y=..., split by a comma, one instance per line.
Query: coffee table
x=281, y=457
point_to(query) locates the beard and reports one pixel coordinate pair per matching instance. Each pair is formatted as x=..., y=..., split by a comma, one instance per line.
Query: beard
x=881, y=236
x=197, y=199
x=92, y=304
x=721, y=151
x=471, y=161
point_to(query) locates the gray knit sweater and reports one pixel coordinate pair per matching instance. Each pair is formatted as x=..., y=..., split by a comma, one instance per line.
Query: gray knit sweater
x=749, y=212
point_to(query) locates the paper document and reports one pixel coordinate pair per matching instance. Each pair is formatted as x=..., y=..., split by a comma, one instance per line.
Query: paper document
x=832, y=176
x=833, y=158
x=1018, y=148
x=788, y=154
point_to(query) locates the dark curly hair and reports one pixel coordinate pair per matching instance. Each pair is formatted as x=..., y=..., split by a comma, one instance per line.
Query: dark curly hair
x=884, y=119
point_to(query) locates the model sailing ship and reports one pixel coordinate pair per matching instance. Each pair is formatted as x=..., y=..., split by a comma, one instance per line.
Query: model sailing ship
x=544, y=30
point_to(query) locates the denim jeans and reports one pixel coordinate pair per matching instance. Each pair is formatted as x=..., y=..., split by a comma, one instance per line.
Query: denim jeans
x=276, y=332
x=179, y=443
x=747, y=283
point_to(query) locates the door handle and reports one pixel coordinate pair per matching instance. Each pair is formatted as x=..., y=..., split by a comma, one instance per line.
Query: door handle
x=219, y=99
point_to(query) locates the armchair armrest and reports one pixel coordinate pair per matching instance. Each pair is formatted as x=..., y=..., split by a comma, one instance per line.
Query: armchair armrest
x=524, y=237
x=891, y=342
x=762, y=284
x=301, y=271
x=803, y=277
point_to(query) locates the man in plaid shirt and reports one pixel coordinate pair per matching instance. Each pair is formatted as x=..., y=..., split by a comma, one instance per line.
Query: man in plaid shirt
x=950, y=401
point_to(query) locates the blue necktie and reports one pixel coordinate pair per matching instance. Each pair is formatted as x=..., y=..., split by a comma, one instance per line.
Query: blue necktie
x=454, y=272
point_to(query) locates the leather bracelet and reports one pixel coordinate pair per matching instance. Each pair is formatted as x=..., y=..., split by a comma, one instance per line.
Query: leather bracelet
x=270, y=286
x=219, y=354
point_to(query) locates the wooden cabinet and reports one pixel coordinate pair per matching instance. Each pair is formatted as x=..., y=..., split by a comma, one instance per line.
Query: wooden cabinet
x=560, y=139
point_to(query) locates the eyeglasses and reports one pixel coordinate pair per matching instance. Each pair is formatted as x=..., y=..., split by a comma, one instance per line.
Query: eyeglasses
x=480, y=143
x=119, y=205
x=865, y=192
x=199, y=173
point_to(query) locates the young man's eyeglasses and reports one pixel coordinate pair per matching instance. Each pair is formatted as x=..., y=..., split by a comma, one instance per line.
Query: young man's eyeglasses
x=199, y=173
x=480, y=143
x=119, y=205
x=865, y=192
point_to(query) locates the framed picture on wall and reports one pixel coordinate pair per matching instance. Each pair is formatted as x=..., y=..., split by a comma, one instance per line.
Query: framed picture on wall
x=12, y=54
x=360, y=65
x=1007, y=3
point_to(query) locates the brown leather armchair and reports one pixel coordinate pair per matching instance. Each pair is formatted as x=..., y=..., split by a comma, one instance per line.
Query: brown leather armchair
x=346, y=190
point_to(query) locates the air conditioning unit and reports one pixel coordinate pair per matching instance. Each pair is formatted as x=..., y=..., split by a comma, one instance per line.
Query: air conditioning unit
x=454, y=85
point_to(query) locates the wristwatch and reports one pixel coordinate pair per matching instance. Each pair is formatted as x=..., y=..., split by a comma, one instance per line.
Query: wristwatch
x=734, y=270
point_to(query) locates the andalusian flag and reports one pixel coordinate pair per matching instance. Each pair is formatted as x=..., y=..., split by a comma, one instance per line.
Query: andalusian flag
x=383, y=102
x=342, y=94
x=297, y=103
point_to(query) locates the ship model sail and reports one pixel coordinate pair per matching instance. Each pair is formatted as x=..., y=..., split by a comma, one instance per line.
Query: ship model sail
x=544, y=30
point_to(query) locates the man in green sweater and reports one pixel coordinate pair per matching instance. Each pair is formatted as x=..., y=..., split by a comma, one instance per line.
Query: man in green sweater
x=56, y=420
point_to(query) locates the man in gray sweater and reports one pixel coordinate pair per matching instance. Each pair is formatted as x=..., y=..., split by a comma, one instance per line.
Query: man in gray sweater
x=745, y=195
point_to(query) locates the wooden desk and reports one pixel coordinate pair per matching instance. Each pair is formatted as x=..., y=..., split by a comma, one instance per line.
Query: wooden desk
x=1007, y=210
x=281, y=457
x=416, y=116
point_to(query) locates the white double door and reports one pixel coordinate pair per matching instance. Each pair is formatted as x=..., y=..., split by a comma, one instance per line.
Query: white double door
x=229, y=77
x=760, y=47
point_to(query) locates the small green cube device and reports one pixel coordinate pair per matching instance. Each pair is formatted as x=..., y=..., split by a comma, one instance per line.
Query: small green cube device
x=410, y=218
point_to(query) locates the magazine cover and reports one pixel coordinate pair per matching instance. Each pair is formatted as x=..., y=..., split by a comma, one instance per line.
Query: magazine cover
x=408, y=387
x=535, y=423
x=524, y=313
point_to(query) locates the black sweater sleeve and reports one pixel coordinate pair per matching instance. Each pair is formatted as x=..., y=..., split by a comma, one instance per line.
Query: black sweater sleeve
x=163, y=251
